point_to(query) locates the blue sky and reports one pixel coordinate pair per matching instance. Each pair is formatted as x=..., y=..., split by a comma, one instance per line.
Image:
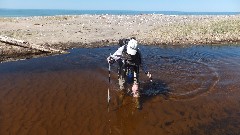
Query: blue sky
x=143, y=5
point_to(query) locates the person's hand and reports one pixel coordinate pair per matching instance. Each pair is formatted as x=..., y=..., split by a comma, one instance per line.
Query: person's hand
x=149, y=76
x=110, y=60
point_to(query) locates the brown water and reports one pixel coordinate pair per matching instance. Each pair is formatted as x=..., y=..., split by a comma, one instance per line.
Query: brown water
x=195, y=91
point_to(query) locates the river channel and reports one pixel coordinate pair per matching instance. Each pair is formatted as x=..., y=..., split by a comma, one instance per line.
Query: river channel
x=195, y=90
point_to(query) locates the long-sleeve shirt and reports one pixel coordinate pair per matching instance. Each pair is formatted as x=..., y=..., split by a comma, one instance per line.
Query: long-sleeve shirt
x=118, y=56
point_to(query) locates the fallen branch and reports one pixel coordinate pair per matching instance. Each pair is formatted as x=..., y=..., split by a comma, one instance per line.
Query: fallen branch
x=26, y=44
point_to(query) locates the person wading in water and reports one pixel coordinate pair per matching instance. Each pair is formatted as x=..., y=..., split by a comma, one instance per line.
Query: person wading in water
x=129, y=58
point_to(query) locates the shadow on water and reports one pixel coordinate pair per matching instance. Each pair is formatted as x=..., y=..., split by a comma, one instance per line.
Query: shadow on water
x=155, y=88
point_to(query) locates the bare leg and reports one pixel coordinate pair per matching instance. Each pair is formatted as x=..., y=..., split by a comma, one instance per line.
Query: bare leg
x=122, y=85
x=135, y=90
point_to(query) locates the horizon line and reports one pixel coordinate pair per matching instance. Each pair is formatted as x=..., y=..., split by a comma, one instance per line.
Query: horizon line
x=118, y=10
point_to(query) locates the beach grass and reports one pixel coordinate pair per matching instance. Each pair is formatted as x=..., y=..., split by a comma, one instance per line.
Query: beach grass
x=197, y=32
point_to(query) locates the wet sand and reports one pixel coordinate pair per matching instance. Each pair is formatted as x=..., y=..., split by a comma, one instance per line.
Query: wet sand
x=196, y=92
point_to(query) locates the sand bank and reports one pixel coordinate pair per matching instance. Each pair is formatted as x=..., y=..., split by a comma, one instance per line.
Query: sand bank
x=64, y=32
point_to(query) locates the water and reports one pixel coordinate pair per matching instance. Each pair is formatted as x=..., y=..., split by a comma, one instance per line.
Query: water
x=195, y=91
x=53, y=12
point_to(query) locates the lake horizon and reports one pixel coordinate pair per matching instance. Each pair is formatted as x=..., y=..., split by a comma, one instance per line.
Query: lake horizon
x=5, y=12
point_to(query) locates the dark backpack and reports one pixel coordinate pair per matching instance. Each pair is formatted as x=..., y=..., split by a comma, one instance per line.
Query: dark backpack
x=123, y=41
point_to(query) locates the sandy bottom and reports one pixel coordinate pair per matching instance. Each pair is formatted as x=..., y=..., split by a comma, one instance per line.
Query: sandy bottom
x=196, y=91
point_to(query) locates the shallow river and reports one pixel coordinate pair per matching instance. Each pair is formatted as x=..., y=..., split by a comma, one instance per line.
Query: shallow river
x=195, y=91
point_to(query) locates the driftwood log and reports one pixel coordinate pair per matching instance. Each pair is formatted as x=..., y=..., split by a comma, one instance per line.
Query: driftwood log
x=26, y=44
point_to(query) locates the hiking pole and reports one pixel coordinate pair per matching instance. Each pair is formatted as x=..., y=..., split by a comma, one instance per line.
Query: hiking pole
x=109, y=79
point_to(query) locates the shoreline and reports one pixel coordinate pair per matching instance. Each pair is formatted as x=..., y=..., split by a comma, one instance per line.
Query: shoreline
x=74, y=31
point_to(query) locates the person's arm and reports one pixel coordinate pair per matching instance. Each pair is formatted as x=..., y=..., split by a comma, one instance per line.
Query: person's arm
x=144, y=67
x=116, y=56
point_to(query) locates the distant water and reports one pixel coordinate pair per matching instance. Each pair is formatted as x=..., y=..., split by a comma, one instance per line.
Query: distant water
x=53, y=12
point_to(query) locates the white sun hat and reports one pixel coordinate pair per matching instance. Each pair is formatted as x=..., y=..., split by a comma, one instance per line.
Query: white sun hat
x=132, y=47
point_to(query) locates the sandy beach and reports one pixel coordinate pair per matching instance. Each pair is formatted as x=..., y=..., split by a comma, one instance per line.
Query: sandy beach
x=64, y=32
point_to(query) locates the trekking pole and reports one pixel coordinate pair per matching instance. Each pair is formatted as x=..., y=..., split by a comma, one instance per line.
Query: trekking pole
x=109, y=79
x=108, y=94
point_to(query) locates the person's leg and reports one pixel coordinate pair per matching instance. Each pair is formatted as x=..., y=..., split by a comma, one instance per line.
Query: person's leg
x=122, y=78
x=135, y=90
x=122, y=84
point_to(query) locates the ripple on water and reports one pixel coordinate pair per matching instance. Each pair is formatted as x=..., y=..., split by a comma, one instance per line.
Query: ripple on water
x=182, y=73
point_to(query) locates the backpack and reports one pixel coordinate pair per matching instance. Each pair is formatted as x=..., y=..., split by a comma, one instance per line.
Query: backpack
x=123, y=41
